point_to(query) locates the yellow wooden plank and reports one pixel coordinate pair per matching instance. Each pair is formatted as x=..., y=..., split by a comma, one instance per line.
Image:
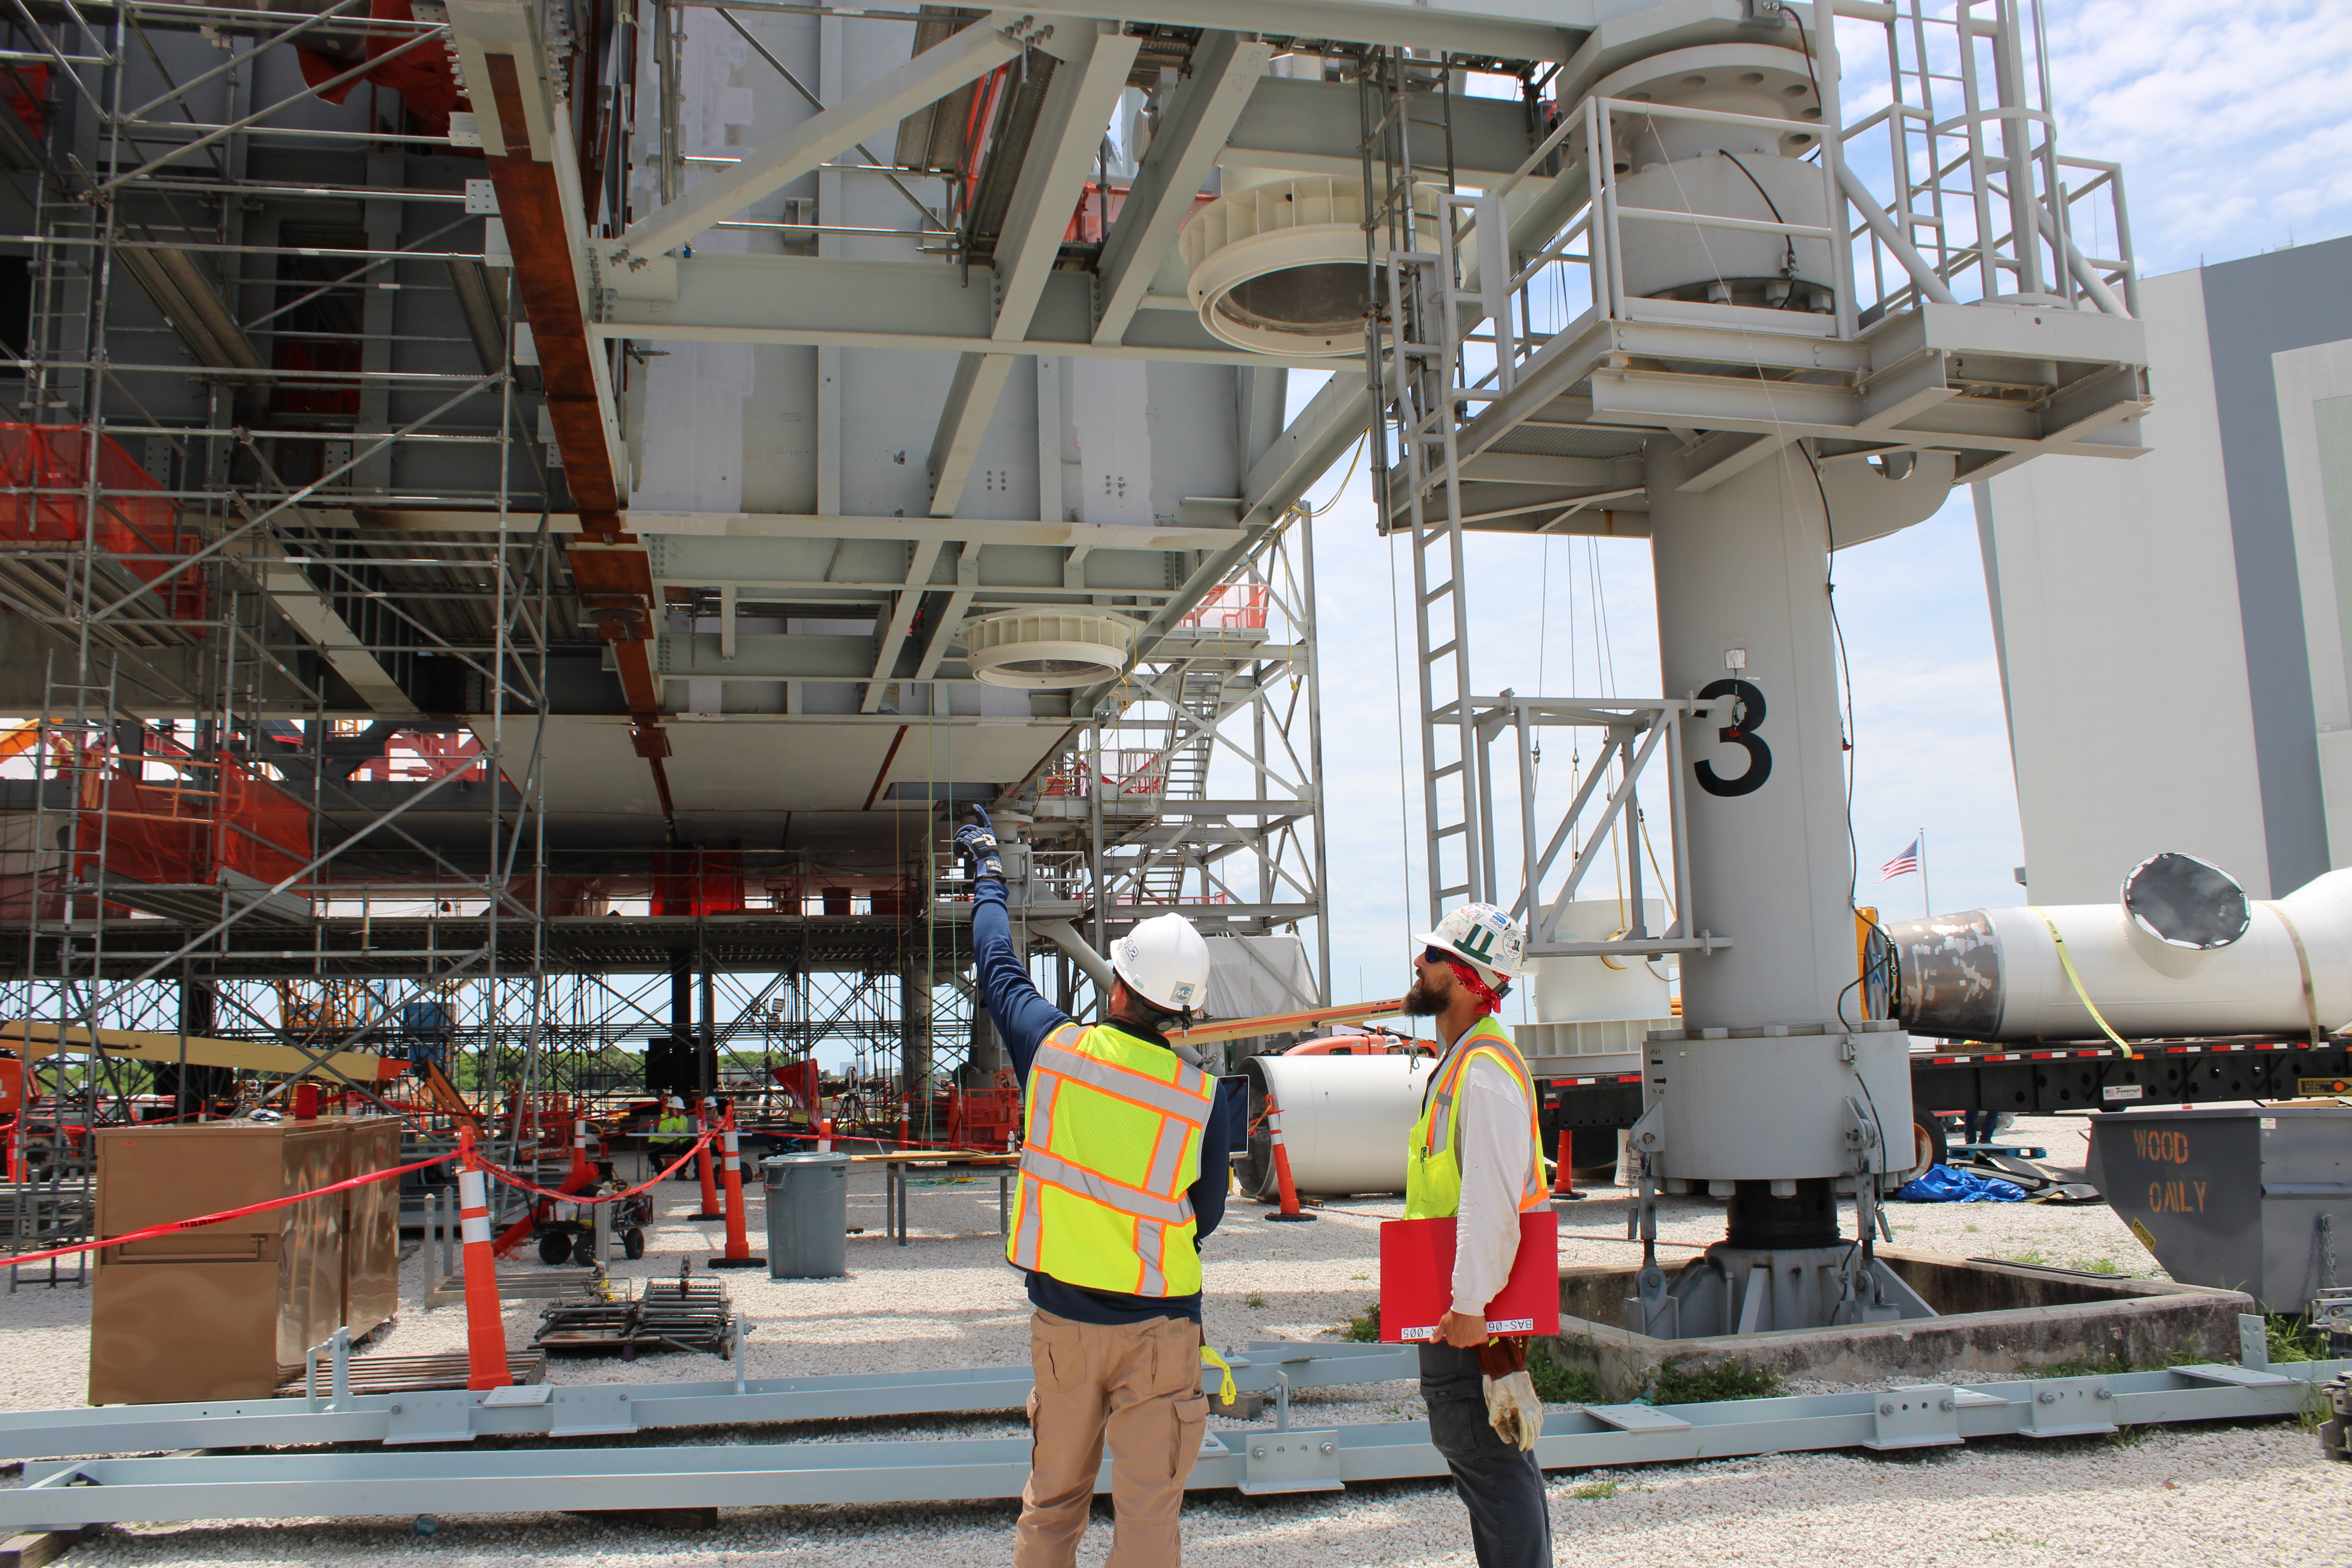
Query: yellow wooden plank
x=34, y=1040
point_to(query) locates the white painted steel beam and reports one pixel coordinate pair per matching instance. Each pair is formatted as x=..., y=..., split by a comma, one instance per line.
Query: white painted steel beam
x=280, y=1484
x=1301, y=455
x=651, y=1406
x=1079, y=102
x=835, y=303
x=298, y=600
x=893, y=639
x=1503, y=29
x=1315, y=128
x=869, y=111
x=1226, y=67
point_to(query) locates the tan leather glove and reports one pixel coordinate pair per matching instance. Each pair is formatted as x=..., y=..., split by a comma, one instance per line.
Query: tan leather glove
x=1513, y=1409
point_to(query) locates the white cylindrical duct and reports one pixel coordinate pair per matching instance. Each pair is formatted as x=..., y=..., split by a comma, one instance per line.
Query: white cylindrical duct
x=1752, y=171
x=2156, y=968
x=1345, y=1119
x=1581, y=990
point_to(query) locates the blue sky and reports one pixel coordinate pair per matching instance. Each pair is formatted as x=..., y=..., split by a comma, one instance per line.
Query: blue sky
x=2234, y=127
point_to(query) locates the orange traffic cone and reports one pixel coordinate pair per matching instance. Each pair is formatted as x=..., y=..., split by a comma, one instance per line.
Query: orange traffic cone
x=739, y=1244
x=710, y=1187
x=1290, y=1209
x=580, y=1163
x=1563, y=1181
x=486, y=1329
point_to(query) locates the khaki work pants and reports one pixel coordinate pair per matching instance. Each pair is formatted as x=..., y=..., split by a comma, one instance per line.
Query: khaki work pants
x=1139, y=1384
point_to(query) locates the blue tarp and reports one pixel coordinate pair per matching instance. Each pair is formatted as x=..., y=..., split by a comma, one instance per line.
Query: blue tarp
x=1944, y=1184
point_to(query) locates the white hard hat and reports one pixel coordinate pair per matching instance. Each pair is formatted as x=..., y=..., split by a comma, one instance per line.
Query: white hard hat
x=1482, y=936
x=675, y=1103
x=1164, y=961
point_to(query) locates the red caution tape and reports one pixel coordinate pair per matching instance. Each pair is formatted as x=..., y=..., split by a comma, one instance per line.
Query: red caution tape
x=180, y=1225
x=510, y=1179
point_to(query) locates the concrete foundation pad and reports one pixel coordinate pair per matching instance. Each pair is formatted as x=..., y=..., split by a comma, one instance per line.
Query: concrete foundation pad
x=1993, y=1318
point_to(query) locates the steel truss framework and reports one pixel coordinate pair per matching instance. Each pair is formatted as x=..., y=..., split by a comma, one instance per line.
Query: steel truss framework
x=1513, y=386
x=262, y=297
x=70, y=1492
x=1197, y=786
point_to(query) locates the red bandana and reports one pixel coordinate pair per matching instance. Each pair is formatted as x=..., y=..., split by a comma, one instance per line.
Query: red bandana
x=1490, y=999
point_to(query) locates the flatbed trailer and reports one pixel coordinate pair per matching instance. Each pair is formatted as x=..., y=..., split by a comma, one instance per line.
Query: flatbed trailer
x=1592, y=1097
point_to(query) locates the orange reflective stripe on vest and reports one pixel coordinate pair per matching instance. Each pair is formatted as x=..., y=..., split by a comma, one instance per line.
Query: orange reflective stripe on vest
x=1110, y=1148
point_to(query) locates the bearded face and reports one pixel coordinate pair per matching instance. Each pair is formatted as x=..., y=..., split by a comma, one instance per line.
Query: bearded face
x=1432, y=988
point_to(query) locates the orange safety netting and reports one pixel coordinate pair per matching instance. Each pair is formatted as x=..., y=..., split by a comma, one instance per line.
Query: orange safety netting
x=1236, y=608
x=698, y=882
x=44, y=495
x=163, y=831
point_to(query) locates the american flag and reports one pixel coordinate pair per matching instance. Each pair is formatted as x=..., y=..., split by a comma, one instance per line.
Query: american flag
x=1903, y=865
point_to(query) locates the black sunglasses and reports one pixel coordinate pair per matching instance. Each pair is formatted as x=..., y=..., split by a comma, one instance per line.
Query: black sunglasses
x=1431, y=955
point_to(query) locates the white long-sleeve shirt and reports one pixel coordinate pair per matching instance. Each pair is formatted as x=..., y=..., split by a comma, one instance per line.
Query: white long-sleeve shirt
x=1495, y=1153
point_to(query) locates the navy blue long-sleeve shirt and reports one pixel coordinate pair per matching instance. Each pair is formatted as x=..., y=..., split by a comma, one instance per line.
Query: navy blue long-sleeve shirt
x=1023, y=1019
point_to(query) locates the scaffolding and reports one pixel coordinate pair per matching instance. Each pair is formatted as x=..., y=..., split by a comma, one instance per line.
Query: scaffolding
x=298, y=559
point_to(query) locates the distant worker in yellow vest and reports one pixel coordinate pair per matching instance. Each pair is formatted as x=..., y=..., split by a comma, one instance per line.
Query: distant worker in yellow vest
x=672, y=1135
x=1124, y=1167
x=1474, y=1157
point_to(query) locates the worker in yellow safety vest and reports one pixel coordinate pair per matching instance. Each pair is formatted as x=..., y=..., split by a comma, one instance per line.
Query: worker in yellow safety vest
x=1124, y=1167
x=1475, y=1158
x=672, y=1134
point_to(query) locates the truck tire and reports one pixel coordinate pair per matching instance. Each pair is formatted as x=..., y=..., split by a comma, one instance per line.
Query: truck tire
x=1930, y=1145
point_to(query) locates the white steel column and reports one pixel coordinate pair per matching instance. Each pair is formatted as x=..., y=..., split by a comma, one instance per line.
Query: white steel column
x=1742, y=571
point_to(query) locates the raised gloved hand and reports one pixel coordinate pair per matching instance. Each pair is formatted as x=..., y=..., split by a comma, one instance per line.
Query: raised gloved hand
x=1513, y=1409
x=976, y=841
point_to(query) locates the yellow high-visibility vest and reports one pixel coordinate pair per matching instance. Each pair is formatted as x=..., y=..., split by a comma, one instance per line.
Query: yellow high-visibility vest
x=1110, y=1148
x=1432, y=1178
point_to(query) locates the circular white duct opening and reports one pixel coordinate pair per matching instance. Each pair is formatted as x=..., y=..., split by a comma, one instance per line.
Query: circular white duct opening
x=2183, y=901
x=1279, y=267
x=1048, y=651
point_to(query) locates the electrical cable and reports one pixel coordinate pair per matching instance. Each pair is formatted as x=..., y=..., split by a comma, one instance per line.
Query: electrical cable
x=1845, y=679
x=1790, y=239
x=1312, y=513
x=1404, y=811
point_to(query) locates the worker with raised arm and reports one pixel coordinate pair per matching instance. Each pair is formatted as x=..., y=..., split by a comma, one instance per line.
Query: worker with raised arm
x=1474, y=1157
x=1124, y=1166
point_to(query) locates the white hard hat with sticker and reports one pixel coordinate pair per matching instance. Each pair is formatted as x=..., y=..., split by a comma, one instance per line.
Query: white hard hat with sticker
x=1483, y=936
x=1164, y=961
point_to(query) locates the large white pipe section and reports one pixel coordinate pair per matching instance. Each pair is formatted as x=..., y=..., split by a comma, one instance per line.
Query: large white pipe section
x=1345, y=1119
x=1586, y=990
x=1994, y=974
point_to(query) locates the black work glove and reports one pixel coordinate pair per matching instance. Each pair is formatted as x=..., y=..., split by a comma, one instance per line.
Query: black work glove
x=976, y=841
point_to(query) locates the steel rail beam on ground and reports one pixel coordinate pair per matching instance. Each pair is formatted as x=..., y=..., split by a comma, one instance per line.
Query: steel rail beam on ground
x=1253, y=1460
x=456, y=1415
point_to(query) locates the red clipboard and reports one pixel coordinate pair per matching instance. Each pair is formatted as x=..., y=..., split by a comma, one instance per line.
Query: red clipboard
x=1417, y=1279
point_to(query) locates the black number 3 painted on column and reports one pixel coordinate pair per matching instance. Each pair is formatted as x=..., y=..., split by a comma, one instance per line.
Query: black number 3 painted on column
x=1747, y=718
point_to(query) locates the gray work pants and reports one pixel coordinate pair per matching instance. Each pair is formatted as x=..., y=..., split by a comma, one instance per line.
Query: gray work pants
x=1500, y=1483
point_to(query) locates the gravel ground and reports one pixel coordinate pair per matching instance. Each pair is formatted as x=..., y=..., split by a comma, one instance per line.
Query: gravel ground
x=2257, y=1493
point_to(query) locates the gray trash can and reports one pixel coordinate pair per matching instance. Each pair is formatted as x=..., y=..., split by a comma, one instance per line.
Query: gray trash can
x=808, y=1215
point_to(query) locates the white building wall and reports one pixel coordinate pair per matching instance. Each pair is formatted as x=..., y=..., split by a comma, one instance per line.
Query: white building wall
x=2315, y=400
x=2115, y=600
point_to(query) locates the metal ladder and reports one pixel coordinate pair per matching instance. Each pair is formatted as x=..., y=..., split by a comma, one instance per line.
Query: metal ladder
x=1413, y=358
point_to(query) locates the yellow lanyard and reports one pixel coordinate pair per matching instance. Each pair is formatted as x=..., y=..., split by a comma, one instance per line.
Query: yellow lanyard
x=1211, y=1358
x=2067, y=964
